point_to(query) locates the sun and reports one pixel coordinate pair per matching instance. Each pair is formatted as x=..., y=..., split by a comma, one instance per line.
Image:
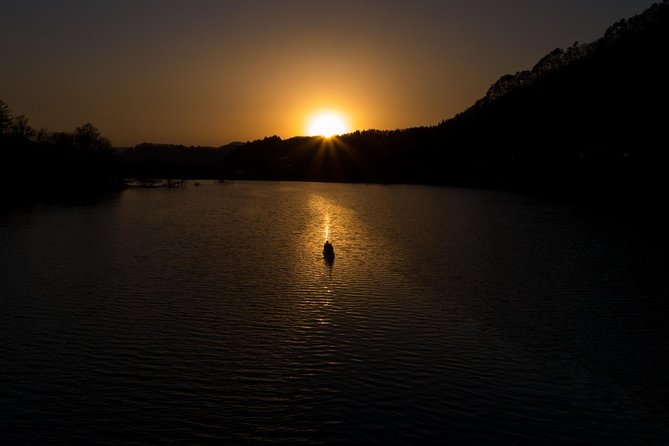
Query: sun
x=327, y=124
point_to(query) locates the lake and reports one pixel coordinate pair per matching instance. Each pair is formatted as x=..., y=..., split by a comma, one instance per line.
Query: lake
x=208, y=315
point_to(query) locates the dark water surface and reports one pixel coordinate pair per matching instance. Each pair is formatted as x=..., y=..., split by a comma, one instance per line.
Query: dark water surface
x=208, y=315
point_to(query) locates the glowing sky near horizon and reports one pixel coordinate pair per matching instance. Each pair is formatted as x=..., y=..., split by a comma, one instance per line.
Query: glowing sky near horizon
x=212, y=72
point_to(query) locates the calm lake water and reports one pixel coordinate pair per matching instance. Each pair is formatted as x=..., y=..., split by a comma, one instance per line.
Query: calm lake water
x=208, y=315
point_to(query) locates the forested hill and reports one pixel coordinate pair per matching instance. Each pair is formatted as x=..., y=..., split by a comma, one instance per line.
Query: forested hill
x=593, y=115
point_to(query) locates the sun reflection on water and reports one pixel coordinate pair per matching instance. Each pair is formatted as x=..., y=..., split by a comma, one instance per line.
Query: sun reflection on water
x=324, y=214
x=336, y=292
x=326, y=230
x=354, y=245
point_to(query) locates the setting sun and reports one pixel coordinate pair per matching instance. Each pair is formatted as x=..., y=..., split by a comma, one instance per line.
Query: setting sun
x=327, y=124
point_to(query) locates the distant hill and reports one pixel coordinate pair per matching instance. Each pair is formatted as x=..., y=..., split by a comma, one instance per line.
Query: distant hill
x=148, y=160
x=591, y=116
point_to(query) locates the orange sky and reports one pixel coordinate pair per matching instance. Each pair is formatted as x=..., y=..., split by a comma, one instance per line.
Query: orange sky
x=211, y=72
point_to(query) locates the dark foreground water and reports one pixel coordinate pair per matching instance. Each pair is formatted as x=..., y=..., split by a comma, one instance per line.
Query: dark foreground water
x=208, y=315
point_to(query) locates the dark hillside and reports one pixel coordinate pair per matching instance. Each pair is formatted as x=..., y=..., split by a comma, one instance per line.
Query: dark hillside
x=597, y=120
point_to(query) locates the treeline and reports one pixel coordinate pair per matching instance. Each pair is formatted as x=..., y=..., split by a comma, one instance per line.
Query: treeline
x=38, y=163
x=148, y=160
x=367, y=156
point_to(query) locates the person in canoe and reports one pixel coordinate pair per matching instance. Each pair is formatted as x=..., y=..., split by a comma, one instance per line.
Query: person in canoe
x=328, y=250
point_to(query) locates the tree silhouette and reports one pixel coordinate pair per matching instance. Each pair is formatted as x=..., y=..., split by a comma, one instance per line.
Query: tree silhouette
x=37, y=165
x=20, y=129
x=5, y=118
x=88, y=137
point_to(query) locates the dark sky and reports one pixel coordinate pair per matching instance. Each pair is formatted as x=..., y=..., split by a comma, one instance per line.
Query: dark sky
x=211, y=72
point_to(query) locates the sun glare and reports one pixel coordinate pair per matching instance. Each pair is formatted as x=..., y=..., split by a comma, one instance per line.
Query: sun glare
x=327, y=124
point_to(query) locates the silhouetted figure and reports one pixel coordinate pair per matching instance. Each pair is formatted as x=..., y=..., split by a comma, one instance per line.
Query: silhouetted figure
x=328, y=251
